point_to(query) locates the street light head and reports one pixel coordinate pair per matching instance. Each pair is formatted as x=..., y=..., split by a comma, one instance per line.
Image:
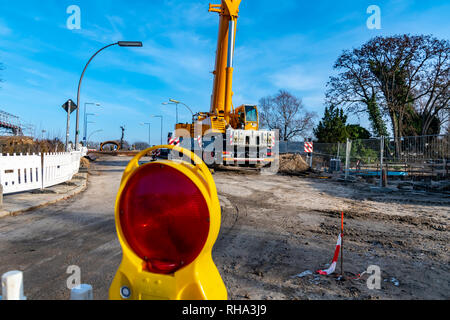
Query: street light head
x=93, y=104
x=130, y=43
x=174, y=101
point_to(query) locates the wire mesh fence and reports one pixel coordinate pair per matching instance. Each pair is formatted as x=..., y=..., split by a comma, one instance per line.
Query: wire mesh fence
x=420, y=158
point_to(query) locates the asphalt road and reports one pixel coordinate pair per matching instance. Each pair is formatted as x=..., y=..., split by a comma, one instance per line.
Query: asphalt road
x=80, y=231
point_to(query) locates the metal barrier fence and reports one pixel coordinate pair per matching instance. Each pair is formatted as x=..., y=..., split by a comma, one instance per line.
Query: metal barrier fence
x=418, y=158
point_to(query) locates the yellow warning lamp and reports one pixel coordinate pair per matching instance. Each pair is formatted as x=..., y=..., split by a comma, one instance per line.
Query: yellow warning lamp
x=167, y=218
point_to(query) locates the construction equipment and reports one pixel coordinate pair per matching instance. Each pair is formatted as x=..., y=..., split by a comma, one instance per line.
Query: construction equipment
x=243, y=142
x=114, y=143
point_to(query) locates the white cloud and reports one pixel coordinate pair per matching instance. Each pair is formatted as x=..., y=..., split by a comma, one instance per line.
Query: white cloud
x=37, y=73
x=99, y=34
x=4, y=30
x=295, y=78
x=115, y=21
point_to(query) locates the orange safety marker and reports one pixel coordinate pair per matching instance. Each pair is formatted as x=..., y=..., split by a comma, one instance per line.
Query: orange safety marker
x=339, y=246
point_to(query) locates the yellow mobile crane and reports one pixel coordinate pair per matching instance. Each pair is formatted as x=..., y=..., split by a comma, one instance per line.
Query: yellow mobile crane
x=243, y=141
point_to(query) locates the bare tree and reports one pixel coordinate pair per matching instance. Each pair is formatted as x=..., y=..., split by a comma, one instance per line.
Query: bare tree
x=406, y=76
x=434, y=93
x=141, y=145
x=286, y=113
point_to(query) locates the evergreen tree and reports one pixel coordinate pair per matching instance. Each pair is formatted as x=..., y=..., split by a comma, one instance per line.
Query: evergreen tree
x=356, y=132
x=332, y=127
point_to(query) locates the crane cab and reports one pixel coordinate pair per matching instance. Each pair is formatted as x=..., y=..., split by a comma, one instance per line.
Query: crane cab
x=247, y=118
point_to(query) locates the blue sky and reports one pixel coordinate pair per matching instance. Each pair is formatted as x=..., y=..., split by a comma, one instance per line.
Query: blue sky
x=287, y=44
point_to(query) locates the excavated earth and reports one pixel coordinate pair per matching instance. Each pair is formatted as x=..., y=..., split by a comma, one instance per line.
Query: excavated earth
x=276, y=227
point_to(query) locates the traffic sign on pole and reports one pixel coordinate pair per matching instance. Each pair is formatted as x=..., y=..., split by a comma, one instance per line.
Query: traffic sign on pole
x=69, y=107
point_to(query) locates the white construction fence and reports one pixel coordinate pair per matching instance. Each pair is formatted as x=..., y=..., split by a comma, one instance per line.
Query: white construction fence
x=20, y=173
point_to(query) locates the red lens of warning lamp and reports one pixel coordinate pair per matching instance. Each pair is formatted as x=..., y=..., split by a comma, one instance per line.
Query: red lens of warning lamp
x=164, y=218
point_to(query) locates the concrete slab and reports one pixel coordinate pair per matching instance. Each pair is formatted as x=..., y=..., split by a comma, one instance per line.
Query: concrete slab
x=14, y=204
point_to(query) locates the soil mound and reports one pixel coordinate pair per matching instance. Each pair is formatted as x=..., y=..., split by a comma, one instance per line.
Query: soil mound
x=292, y=163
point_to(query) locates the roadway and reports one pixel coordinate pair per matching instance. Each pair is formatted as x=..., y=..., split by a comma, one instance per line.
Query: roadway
x=79, y=231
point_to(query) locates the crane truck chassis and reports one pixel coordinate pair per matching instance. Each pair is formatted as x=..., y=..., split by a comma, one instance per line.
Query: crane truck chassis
x=236, y=147
x=227, y=135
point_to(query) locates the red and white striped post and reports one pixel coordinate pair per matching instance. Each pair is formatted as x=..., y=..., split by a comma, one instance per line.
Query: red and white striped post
x=309, y=149
x=339, y=248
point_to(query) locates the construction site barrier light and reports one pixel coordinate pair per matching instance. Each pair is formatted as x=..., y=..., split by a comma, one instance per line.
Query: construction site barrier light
x=167, y=216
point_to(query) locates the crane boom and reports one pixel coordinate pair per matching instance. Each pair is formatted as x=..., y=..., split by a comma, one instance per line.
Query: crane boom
x=238, y=127
x=221, y=101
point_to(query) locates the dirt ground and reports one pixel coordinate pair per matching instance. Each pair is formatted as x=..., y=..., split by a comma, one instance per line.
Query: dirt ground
x=273, y=228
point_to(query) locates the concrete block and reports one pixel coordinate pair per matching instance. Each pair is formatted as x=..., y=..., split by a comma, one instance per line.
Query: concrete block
x=83, y=292
x=12, y=286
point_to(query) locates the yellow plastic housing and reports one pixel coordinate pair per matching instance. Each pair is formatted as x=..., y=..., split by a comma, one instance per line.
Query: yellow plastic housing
x=199, y=280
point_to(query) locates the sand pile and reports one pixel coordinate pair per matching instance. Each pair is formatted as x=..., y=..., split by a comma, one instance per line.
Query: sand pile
x=292, y=163
x=84, y=163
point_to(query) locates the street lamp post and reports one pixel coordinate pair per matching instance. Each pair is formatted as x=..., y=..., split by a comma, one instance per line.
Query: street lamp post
x=85, y=119
x=120, y=44
x=153, y=116
x=149, y=126
x=86, y=122
x=97, y=131
x=176, y=103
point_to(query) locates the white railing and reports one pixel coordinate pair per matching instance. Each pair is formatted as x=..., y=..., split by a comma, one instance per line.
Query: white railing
x=20, y=173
